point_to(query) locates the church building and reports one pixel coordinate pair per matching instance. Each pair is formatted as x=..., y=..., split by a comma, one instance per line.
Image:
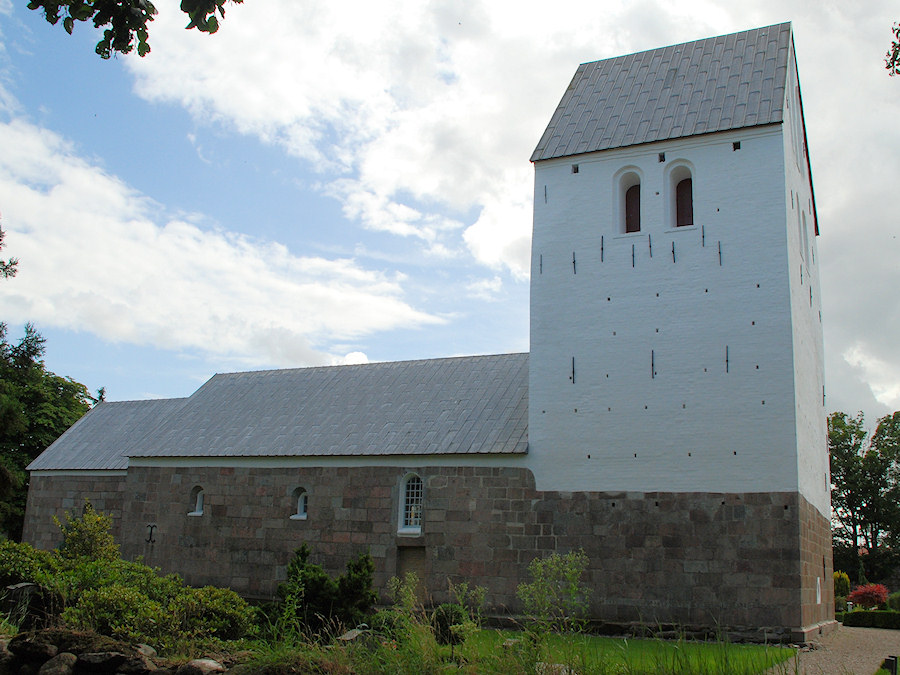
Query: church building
x=668, y=420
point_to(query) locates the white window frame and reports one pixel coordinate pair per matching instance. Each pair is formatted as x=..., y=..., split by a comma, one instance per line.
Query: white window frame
x=301, y=504
x=197, y=496
x=412, y=505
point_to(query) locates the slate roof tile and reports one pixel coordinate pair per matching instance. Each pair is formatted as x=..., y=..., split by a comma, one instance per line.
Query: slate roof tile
x=671, y=92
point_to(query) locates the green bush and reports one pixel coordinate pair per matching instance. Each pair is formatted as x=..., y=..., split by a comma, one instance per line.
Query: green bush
x=873, y=619
x=212, y=612
x=82, y=574
x=316, y=600
x=556, y=598
x=841, y=584
x=87, y=536
x=121, y=612
x=840, y=604
x=24, y=563
x=444, y=617
x=894, y=601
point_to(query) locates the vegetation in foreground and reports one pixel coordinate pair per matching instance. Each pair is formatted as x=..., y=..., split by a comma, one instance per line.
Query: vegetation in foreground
x=84, y=585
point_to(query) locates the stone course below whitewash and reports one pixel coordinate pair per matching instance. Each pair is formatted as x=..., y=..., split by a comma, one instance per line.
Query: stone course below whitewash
x=690, y=558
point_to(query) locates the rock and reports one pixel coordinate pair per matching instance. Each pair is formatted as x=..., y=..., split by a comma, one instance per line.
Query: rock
x=32, y=647
x=552, y=669
x=350, y=635
x=61, y=664
x=146, y=650
x=200, y=667
x=138, y=664
x=101, y=662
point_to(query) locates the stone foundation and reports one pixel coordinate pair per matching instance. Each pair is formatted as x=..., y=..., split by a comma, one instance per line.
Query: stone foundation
x=746, y=561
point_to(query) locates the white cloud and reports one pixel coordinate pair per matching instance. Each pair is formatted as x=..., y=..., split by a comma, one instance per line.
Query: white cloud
x=95, y=255
x=485, y=289
x=883, y=377
x=420, y=118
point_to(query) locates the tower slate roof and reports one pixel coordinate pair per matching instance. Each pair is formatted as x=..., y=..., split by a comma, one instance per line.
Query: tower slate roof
x=717, y=84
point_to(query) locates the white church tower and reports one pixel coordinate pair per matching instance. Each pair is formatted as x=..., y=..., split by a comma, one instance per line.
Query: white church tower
x=676, y=330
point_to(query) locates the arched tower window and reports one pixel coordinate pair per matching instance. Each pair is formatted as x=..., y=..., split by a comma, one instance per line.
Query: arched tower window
x=196, y=501
x=300, y=501
x=629, y=202
x=412, y=499
x=680, y=195
x=633, y=209
x=684, y=203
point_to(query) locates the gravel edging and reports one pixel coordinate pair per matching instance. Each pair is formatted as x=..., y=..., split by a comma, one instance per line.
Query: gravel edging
x=849, y=650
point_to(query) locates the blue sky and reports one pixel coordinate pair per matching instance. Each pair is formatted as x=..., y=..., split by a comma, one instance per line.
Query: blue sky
x=327, y=183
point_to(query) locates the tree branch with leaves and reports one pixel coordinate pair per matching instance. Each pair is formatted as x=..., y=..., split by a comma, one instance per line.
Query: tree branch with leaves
x=126, y=21
x=892, y=59
x=7, y=267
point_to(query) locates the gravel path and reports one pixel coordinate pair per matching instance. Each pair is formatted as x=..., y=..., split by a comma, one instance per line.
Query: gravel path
x=846, y=651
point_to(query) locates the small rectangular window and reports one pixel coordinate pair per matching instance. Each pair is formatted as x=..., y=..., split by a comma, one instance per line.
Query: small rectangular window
x=574, y=168
x=662, y=157
x=736, y=146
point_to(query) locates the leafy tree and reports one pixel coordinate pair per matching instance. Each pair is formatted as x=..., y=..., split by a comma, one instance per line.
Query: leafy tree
x=892, y=60
x=865, y=476
x=127, y=20
x=36, y=407
x=7, y=267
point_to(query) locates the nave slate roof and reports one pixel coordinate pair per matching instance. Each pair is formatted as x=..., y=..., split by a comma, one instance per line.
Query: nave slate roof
x=97, y=440
x=463, y=405
x=717, y=84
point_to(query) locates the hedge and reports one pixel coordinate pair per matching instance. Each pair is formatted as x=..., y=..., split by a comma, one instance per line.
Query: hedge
x=873, y=619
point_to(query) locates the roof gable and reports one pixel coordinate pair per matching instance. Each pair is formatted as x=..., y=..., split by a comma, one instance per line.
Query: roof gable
x=717, y=84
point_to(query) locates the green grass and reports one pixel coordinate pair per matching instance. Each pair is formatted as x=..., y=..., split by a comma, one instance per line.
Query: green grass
x=594, y=654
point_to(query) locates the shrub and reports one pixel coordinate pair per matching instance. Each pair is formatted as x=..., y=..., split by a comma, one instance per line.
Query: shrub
x=870, y=595
x=23, y=562
x=120, y=612
x=873, y=619
x=82, y=574
x=841, y=584
x=556, y=598
x=444, y=618
x=894, y=601
x=87, y=536
x=212, y=612
x=316, y=599
x=840, y=604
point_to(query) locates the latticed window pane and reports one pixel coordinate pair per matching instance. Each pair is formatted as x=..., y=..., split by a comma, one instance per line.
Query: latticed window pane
x=412, y=504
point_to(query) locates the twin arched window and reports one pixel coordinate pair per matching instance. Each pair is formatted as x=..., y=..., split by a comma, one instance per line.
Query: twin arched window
x=680, y=197
x=412, y=502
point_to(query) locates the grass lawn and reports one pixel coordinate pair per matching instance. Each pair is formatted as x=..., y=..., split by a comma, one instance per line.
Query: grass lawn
x=594, y=654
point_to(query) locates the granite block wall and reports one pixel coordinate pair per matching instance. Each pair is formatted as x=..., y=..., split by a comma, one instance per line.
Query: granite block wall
x=54, y=495
x=743, y=560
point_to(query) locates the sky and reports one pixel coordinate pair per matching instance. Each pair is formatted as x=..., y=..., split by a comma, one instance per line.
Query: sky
x=323, y=183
